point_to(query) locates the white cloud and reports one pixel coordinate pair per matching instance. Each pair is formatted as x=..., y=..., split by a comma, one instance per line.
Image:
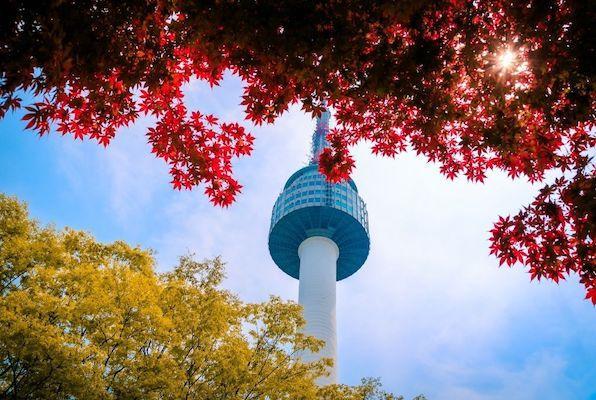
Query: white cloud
x=542, y=376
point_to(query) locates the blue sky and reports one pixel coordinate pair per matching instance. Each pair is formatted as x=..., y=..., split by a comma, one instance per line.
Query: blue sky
x=430, y=312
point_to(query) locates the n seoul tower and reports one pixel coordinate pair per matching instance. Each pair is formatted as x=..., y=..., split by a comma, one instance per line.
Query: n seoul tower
x=319, y=235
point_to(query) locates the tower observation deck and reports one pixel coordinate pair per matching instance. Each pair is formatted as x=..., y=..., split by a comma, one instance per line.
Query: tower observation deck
x=319, y=235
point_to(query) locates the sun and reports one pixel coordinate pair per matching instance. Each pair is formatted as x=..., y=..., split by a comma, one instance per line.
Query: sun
x=506, y=59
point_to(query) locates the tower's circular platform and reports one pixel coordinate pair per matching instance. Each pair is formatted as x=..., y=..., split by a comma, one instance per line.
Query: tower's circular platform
x=311, y=206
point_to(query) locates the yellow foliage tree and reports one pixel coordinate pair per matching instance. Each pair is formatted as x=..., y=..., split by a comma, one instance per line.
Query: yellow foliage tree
x=85, y=320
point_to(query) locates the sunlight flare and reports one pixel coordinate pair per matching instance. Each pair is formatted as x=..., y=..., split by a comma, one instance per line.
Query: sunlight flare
x=507, y=59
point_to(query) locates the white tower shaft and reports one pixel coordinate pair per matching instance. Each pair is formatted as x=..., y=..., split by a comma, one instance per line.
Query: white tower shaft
x=318, y=265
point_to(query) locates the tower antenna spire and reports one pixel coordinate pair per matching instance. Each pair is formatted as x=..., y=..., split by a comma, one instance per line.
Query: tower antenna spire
x=319, y=136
